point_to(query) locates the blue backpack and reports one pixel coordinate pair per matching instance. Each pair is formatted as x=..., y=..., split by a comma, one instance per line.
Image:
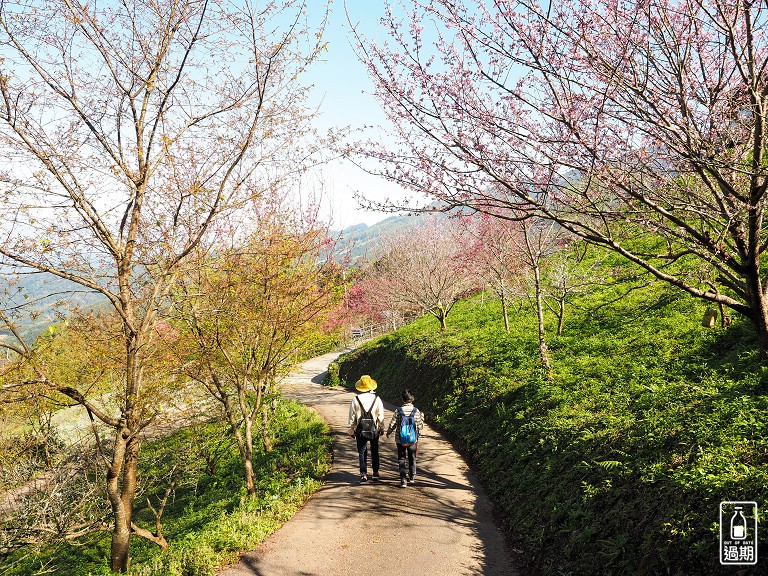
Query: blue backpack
x=407, y=434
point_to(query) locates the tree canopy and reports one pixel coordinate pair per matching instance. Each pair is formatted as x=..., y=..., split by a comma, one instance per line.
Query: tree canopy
x=128, y=130
x=639, y=126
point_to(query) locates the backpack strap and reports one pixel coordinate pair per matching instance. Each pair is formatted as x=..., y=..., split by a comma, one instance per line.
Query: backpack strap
x=366, y=412
x=400, y=414
x=415, y=424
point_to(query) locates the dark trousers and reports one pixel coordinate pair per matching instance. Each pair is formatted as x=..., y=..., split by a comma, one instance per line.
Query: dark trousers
x=362, y=453
x=409, y=453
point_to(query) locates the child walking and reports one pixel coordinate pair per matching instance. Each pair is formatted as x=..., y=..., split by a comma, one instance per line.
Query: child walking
x=407, y=421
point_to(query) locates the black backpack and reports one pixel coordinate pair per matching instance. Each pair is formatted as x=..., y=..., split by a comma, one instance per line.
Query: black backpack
x=367, y=424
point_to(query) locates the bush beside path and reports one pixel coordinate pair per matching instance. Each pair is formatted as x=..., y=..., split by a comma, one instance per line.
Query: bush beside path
x=441, y=525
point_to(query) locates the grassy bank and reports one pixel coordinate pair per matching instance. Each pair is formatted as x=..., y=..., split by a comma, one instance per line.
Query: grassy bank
x=208, y=518
x=616, y=463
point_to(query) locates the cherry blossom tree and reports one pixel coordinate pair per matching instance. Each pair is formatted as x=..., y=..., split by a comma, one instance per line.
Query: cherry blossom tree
x=513, y=254
x=367, y=302
x=538, y=240
x=639, y=126
x=566, y=275
x=127, y=130
x=424, y=268
x=247, y=310
x=496, y=246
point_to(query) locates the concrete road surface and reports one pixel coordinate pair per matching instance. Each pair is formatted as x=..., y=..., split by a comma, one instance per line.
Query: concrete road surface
x=440, y=526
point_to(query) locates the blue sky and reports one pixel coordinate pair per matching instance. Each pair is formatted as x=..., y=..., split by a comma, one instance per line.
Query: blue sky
x=344, y=93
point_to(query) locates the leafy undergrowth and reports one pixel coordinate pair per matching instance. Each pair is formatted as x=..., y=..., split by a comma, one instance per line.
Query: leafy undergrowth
x=616, y=463
x=208, y=519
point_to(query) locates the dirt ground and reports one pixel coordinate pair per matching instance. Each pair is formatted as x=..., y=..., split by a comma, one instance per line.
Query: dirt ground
x=440, y=526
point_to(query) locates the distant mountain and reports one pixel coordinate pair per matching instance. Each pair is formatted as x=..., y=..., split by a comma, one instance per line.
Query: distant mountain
x=40, y=299
x=361, y=241
x=37, y=300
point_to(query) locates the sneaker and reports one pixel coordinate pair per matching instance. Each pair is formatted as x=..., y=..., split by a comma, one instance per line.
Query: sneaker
x=411, y=480
x=363, y=478
x=403, y=483
x=375, y=477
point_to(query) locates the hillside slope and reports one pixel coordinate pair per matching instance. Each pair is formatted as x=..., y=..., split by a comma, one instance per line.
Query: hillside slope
x=616, y=463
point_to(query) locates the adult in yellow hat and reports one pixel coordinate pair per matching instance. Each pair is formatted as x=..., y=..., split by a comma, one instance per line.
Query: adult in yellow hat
x=366, y=384
x=366, y=421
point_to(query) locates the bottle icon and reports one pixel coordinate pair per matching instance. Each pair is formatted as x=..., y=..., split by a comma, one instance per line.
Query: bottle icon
x=738, y=525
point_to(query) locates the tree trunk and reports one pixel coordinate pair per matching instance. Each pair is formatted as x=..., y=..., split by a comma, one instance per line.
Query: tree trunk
x=250, y=479
x=504, y=305
x=441, y=313
x=121, y=532
x=247, y=453
x=265, y=428
x=560, y=316
x=120, y=549
x=244, y=444
x=760, y=322
x=543, y=352
x=756, y=298
x=121, y=477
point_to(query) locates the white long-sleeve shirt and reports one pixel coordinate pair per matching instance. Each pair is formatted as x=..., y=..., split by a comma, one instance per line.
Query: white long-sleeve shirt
x=371, y=402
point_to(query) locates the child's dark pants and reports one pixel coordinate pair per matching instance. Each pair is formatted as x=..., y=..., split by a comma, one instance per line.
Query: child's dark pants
x=408, y=452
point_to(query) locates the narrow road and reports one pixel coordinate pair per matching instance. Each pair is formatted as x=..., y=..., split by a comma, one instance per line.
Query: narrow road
x=440, y=526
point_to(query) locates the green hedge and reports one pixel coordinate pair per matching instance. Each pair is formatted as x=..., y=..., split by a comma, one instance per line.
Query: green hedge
x=616, y=462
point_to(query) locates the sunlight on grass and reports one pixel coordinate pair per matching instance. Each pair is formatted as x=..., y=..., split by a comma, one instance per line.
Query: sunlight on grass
x=615, y=463
x=209, y=519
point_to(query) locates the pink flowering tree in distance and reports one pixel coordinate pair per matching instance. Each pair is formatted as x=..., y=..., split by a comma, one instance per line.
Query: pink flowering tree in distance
x=423, y=268
x=496, y=249
x=638, y=126
x=369, y=304
x=511, y=255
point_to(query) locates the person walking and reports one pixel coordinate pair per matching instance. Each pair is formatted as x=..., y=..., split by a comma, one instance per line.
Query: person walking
x=366, y=421
x=408, y=422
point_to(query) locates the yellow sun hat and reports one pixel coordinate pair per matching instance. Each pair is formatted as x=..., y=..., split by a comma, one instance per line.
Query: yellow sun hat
x=365, y=384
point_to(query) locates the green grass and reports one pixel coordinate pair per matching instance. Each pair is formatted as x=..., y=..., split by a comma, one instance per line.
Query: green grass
x=209, y=518
x=615, y=463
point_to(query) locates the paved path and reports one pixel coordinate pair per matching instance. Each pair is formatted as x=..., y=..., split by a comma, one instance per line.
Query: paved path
x=441, y=526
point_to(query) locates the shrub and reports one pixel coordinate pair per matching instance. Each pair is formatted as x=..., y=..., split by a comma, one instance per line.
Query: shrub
x=615, y=463
x=209, y=519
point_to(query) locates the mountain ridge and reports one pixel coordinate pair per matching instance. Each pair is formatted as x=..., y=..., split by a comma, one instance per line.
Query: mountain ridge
x=39, y=299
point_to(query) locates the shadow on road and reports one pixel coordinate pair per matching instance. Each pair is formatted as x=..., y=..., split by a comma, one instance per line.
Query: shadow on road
x=347, y=527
